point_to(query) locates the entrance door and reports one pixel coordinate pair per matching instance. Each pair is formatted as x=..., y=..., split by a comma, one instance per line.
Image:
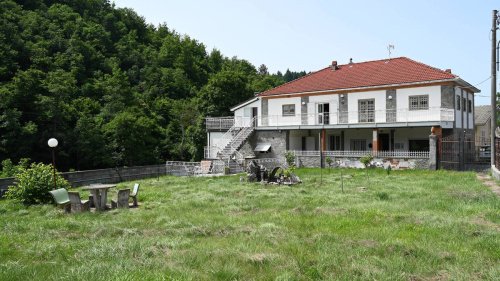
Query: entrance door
x=254, y=116
x=384, y=142
x=323, y=113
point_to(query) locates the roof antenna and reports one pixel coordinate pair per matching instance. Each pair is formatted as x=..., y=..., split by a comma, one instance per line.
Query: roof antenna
x=389, y=48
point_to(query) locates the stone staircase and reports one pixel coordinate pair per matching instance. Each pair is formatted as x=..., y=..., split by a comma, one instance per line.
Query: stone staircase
x=235, y=167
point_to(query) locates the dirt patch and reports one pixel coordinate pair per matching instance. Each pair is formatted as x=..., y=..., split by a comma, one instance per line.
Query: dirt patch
x=483, y=222
x=489, y=182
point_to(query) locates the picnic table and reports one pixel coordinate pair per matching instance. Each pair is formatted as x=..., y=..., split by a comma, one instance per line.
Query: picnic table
x=100, y=194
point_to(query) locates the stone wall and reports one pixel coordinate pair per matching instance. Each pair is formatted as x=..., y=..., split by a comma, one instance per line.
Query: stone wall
x=352, y=162
x=447, y=96
x=276, y=138
x=112, y=175
x=264, y=112
x=4, y=185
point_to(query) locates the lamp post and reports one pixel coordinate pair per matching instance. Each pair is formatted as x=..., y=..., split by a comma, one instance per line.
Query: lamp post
x=53, y=144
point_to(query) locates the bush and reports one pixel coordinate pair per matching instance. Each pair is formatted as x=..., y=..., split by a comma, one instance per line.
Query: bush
x=329, y=161
x=10, y=170
x=33, y=184
x=366, y=160
x=290, y=158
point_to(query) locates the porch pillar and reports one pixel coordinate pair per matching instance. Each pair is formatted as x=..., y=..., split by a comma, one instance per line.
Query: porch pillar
x=323, y=139
x=433, y=153
x=375, y=142
x=323, y=147
x=438, y=132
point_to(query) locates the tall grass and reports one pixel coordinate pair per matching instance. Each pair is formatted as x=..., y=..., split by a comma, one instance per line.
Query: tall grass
x=409, y=225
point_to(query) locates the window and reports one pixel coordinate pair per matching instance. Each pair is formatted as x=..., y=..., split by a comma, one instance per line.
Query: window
x=418, y=145
x=464, y=104
x=469, y=106
x=334, y=143
x=458, y=102
x=419, y=102
x=289, y=110
x=358, y=145
x=399, y=146
x=366, y=110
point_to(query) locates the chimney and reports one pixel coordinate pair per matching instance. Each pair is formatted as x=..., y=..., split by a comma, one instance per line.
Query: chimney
x=448, y=70
x=350, y=61
x=334, y=65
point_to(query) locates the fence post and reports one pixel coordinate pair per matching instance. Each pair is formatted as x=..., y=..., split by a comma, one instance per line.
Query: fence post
x=433, y=152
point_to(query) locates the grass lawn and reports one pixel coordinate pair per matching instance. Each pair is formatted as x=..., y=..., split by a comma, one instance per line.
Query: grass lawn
x=409, y=225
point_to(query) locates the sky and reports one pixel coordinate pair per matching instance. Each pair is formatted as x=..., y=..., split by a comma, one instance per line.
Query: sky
x=309, y=35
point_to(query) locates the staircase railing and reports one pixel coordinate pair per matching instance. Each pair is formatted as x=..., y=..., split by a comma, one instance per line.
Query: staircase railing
x=233, y=148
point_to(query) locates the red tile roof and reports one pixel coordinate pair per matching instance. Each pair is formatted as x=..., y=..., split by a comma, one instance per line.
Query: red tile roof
x=364, y=74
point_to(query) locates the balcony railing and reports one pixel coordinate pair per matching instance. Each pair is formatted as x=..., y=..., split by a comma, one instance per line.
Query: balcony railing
x=360, y=117
x=219, y=123
x=358, y=154
x=335, y=118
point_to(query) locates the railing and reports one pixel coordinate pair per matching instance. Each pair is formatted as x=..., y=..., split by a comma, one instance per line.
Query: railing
x=243, y=125
x=334, y=118
x=360, y=117
x=219, y=123
x=225, y=123
x=359, y=154
x=211, y=152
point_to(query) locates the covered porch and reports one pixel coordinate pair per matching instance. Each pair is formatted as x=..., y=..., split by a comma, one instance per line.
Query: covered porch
x=406, y=141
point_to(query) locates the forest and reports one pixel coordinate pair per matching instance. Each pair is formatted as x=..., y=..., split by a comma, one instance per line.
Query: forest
x=113, y=89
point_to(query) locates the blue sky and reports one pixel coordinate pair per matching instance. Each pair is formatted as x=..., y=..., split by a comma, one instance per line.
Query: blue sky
x=308, y=35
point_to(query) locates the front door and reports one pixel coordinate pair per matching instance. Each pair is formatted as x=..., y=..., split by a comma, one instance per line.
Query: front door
x=384, y=142
x=323, y=113
x=254, y=116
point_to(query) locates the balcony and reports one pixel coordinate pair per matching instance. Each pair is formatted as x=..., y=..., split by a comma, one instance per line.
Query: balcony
x=219, y=123
x=336, y=118
x=360, y=117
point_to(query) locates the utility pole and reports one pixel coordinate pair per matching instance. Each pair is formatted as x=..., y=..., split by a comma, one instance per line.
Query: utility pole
x=493, y=85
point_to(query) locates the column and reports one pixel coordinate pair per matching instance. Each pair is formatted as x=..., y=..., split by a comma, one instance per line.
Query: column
x=433, y=153
x=375, y=142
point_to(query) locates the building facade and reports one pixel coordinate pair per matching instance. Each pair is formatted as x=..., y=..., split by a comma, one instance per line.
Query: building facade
x=386, y=108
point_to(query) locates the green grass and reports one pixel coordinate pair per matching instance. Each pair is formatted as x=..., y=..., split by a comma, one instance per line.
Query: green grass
x=409, y=225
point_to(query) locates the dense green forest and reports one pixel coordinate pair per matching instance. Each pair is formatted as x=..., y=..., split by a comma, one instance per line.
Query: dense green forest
x=111, y=88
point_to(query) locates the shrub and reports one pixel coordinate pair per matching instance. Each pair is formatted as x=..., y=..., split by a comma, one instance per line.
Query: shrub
x=10, y=170
x=33, y=184
x=329, y=161
x=290, y=159
x=366, y=160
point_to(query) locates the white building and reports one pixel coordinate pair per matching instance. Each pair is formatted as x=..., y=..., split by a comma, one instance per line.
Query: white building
x=385, y=107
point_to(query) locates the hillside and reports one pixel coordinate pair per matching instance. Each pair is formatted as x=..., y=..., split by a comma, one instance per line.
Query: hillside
x=111, y=88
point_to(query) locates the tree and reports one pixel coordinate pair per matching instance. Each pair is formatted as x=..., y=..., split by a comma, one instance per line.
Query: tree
x=263, y=70
x=108, y=86
x=224, y=90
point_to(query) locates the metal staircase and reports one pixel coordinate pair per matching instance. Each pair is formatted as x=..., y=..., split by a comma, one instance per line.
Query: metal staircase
x=238, y=140
x=231, y=141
